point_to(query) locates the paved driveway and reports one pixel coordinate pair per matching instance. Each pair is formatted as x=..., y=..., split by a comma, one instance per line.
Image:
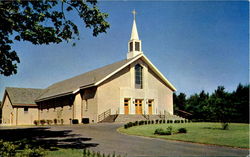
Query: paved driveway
x=105, y=138
x=109, y=140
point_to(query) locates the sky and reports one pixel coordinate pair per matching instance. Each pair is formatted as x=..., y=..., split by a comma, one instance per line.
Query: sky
x=197, y=45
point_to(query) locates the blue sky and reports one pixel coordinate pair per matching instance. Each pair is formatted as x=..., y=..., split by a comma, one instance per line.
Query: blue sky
x=197, y=45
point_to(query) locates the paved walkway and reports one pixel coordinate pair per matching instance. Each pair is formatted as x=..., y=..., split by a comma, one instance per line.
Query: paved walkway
x=108, y=140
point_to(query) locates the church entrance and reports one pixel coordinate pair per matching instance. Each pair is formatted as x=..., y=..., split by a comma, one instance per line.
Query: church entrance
x=126, y=104
x=138, y=106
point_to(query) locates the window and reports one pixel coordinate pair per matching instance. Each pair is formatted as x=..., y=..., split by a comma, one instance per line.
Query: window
x=138, y=76
x=137, y=46
x=131, y=46
x=26, y=109
x=86, y=105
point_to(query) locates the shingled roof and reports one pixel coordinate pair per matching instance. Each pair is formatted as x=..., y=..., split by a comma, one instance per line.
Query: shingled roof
x=23, y=96
x=87, y=79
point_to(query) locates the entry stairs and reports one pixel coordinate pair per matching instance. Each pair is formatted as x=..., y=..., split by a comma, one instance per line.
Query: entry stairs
x=122, y=118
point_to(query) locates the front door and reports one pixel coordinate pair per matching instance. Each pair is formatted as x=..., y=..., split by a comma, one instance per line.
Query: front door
x=126, y=109
x=138, y=106
x=150, y=102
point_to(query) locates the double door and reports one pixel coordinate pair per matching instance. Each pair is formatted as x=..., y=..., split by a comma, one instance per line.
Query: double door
x=138, y=106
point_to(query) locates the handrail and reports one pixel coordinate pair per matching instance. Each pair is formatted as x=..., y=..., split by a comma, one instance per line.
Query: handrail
x=145, y=116
x=104, y=115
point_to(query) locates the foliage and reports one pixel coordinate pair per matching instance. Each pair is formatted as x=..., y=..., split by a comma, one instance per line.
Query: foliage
x=8, y=149
x=168, y=131
x=89, y=153
x=182, y=130
x=220, y=106
x=225, y=126
x=36, y=122
x=42, y=121
x=43, y=22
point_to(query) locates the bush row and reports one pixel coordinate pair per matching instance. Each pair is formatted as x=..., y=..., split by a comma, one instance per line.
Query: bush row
x=169, y=131
x=89, y=153
x=48, y=122
x=157, y=121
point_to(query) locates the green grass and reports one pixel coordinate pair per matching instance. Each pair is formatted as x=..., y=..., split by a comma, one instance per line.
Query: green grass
x=206, y=133
x=65, y=153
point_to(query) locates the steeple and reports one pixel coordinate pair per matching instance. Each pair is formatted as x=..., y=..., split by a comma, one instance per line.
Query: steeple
x=134, y=44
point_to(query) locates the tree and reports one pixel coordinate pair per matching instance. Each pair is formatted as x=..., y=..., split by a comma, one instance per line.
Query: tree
x=220, y=106
x=179, y=101
x=240, y=99
x=43, y=22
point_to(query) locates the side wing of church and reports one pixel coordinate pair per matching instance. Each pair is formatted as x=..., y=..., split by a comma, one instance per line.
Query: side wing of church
x=133, y=87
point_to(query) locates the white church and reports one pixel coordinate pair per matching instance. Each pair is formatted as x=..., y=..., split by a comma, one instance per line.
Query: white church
x=121, y=91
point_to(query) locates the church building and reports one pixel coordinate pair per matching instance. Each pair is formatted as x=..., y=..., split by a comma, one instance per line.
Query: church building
x=131, y=87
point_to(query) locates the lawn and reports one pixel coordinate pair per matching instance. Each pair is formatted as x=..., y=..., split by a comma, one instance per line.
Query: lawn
x=65, y=153
x=206, y=133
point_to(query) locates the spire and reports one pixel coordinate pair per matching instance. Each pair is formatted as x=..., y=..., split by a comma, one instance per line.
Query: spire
x=134, y=33
x=134, y=44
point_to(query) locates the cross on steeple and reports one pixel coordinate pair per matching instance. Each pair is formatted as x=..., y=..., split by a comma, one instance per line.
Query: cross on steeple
x=134, y=44
x=134, y=12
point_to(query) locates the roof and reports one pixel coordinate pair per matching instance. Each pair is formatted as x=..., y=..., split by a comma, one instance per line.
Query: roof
x=94, y=78
x=23, y=96
x=87, y=79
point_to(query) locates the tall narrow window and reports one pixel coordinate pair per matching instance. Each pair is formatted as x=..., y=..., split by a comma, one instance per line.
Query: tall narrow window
x=137, y=46
x=138, y=76
x=131, y=46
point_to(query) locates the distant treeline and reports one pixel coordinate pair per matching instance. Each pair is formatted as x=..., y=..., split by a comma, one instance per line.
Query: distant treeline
x=220, y=106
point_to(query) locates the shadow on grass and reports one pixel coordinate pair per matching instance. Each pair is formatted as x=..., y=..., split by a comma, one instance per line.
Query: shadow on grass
x=45, y=138
x=212, y=128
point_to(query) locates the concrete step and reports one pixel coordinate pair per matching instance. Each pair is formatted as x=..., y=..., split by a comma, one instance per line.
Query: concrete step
x=129, y=118
x=109, y=119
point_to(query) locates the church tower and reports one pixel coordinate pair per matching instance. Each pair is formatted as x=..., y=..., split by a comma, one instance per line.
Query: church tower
x=134, y=44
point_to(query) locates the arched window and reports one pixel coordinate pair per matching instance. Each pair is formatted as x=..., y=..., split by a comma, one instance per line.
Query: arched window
x=138, y=76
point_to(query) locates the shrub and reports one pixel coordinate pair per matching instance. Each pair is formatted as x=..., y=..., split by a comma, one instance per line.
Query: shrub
x=130, y=124
x=135, y=123
x=49, y=122
x=169, y=130
x=125, y=126
x=32, y=152
x=55, y=121
x=156, y=121
x=42, y=122
x=159, y=131
x=36, y=122
x=7, y=149
x=164, y=121
x=225, y=126
x=182, y=130
x=75, y=121
x=177, y=121
x=141, y=122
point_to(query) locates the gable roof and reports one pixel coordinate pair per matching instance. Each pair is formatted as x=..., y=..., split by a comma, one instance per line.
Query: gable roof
x=85, y=80
x=23, y=96
x=94, y=78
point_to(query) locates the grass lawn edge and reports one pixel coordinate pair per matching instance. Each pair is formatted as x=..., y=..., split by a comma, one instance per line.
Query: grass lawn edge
x=159, y=138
